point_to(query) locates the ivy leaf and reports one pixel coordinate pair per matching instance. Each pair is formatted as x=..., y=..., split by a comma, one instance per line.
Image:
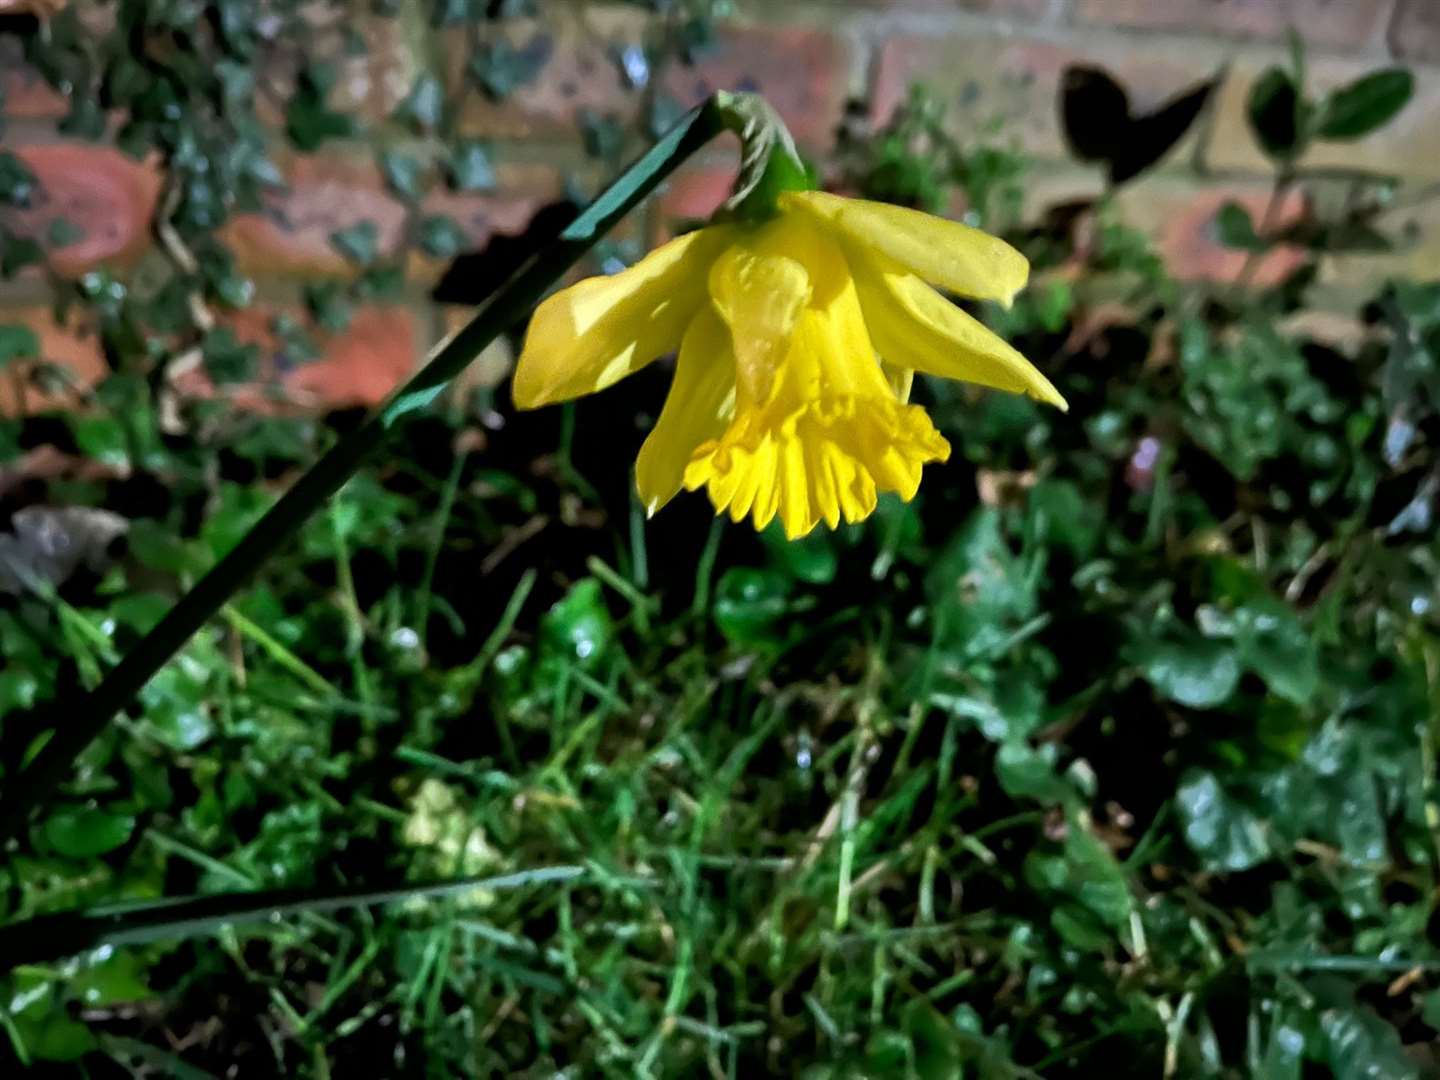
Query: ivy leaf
x=470, y=168
x=380, y=282
x=602, y=136
x=16, y=342
x=359, y=243
x=402, y=173
x=85, y=120
x=424, y=106
x=449, y=12
x=441, y=237
x=234, y=291
x=501, y=69
x=227, y=359
x=309, y=121
x=62, y=232
x=1235, y=229
x=1365, y=105
x=327, y=305
x=17, y=183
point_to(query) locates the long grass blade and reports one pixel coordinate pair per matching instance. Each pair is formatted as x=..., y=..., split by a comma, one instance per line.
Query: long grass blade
x=48, y=938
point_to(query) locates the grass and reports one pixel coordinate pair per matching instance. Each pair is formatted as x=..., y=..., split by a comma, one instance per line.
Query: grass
x=1113, y=753
x=805, y=808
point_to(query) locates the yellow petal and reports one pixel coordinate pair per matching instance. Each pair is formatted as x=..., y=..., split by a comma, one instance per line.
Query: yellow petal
x=832, y=436
x=954, y=256
x=698, y=408
x=827, y=462
x=901, y=379
x=596, y=332
x=760, y=292
x=914, y=326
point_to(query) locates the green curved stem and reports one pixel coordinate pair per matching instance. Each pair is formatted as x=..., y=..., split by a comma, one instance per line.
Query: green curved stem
x=80, y=719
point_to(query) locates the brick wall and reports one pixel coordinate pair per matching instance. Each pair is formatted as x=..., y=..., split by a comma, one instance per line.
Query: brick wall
x=988, y=58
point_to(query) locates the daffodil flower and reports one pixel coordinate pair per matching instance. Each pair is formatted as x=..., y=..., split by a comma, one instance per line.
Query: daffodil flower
x=798, y=340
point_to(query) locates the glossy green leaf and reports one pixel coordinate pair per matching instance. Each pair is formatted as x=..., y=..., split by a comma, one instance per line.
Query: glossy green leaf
x=811, y=559
x=579, y=627
x=1273, y=643
x=1365, y=105
x=1225, y=833
x=85, y=832
x=1275, y=111
x=981, y=590
x=1188, y=669
x=1361, y=1046
x=750, y=605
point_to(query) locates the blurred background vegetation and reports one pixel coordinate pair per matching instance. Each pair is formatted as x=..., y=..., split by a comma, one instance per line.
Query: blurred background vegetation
x=1114, y=752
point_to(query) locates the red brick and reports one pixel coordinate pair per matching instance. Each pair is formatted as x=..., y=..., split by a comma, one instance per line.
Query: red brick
x=1178, y=214
x=360, y=365
x=1028, y=9
x=24, y=95
x=1183, y=225
x=802, y=71
x=109, y=197
x=1016, y=81
x=72, y=345
x=324, y=196
x=1338, y=330
x=1346, y=23
x=488, y=370
x=579, y=74
x=1408, y=146
x=363, y=363
x=694, y=192
x=1415, y=33
x=522, y=190
x=1416, y=256
x=368, y=85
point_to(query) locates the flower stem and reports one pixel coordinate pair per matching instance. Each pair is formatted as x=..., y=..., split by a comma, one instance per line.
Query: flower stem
x=80, y=718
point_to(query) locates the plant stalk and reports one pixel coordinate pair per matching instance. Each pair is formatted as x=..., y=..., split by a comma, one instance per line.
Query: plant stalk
x=82, y=717
x=50, y=938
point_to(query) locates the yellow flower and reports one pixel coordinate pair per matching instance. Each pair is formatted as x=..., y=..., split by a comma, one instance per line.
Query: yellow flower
x=798, y=339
